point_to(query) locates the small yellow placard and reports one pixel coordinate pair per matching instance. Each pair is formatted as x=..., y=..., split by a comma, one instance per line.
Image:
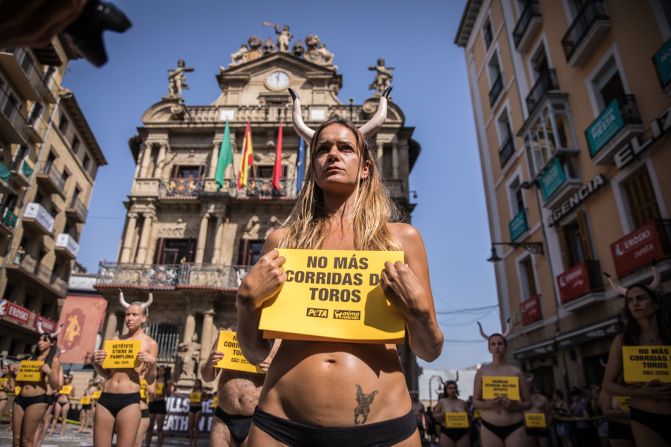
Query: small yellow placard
x=85, y=400
x=17, y=390
x=623, y=402
x=159, y=389
x=96, y=395
x=501, y=386
x=214, y=402
x=456, y=419
x=121, y=354
x=30, y=371
x=334, y=295
x=143, y=389
x=195, y=397
x=65, y=390
x=646, y=363
x=476, y=413
x=3, y=382
x=535, y=420
x=233, y=357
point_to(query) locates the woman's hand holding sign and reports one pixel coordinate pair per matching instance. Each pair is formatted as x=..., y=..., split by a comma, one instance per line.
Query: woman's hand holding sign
x=146, y=358
x=403, y=289
x=263, y=281
x=99, y=356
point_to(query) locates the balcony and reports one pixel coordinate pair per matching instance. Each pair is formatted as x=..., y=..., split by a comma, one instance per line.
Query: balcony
x=171, y=276
x=22, y=171
x=647, y=244
x=546, y=83
x=518, y=225
x=497, y=88
x=36, y=271
x=531, y=310
x=556, y=182
x=581, y=280
x=615, y=126
x=67, y=245
x=12, y=120
x=76, y=210
x=52, y=180
x=22, y=75
x=662, y=61
x=36, y=217
x=527, y=26
x=5, y=174
x=177, y=189
x=507, y=150
x=589, y=27
x=8, y=222
x=256, y=188
x=146, y=188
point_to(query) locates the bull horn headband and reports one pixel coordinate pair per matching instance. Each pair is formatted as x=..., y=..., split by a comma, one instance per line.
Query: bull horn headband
x=504, y=334
x=368, y=130
x=41, y=331
x=144, y=305
x=654, y=284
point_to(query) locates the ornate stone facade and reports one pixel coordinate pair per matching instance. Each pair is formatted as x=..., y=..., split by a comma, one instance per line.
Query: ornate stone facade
x=188, y=241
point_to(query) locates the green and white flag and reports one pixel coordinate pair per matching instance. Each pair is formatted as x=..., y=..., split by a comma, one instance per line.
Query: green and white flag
x=225, y=157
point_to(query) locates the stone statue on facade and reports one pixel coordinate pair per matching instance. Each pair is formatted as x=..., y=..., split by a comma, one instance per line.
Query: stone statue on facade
x=177, y=79
x=298, y=48
x=255, y=52
x=283, y=36
x=189, y=358
x=317, y=53
x=383, y=77
x=239, y=56
x=268, y=46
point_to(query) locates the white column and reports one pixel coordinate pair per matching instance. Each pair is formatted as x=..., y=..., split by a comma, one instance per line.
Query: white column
x=216, y=256
x=146, y=159
x=394, y=159
x=158, y=169
x=206, y=335
x=141, y=257
x=202, y=238
x=128, y=238
x=189, y=328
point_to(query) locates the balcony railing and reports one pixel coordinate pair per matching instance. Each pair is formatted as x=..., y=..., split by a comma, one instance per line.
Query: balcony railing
x=527, y=25
x=556, y=182
x=67, y=245
x=274, y=114
x=77, y=210
x=589, y=26
x=22, y=170
x=27, y=76
x=507, y=150
x=581, y=279
x=171, y=276
x=614, y=127
x=546, y=82
x=12, y=120
x=497, y=88
x=52, y=178
x=662, y=61
x=44, y=275
x=38, y=216
x=182, y=187
x=256, y=188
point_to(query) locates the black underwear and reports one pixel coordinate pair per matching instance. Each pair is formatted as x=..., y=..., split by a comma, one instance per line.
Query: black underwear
x=618, y=430
x=502, y=431
x=195, y=409
x=25, y=402
x=296, y=434
x=537, y=431
x=86, y=407
x=51, y=398
x=157, y=407
x=115, y=402
x=654, y=421
x=145, y=413
x=455, y=434
x=238, y=426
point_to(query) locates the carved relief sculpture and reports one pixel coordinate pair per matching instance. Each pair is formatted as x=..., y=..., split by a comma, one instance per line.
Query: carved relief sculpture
x=177, y=80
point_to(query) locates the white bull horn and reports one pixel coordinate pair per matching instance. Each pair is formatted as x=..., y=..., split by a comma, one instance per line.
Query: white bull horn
x=508, y=327
x=373, y=125
x=122, y=301
x=482, y=332
x=58, y=331
x=656, y=279
x=617, y=287
x=39, y=327
x=297, y=118
x=149, y=301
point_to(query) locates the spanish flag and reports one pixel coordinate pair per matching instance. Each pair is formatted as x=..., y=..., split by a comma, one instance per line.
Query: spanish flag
x=247, y=157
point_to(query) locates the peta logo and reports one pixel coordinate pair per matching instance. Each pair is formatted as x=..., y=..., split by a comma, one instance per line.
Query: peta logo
x=347, y=314
x=317, y=313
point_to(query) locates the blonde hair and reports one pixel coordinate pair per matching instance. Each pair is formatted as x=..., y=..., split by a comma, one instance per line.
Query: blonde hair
x=373, y=209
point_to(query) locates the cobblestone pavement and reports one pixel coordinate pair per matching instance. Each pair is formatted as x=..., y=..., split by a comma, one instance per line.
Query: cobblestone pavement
x=71, y=438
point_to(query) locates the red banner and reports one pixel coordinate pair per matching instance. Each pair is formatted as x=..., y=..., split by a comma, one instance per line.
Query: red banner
x=47, y=324
x=81, y=317
x=531, y=310
x=573, y=283
x=637, y=249
x=15, y=313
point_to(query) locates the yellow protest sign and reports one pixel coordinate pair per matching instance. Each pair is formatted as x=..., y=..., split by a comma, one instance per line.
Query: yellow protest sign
x=476, y=413
x=159, y=389
x=501, y=386
x=30, y=371
x=334, y=295
x=3, y=382
x=456, y=419
x=85, y=400
x=535, y=420
x=17, y=390
x=214, y=402
x=646, y=363
x=96, y=395
x=143, y=389
x=233, y=357
x=195, y=397
x=121, y=354
x=65, y=390
x=623, y=402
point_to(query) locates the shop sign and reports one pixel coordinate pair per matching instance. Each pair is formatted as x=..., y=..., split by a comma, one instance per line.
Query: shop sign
x=531, y=310
x=662, y=60
x=47, y=324
x=551, y=179
x=518, y=225
x=14, y=312
x=177, y=417
x=576, y=199
x=573, y=283
x=658, y=127
x=637, y=249
x=604, y=128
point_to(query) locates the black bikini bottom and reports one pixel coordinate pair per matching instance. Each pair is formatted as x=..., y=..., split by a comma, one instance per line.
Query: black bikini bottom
x=157, y=407
x=24, y=402
x=654, y=421
x=145, y=413
x=537, y=431
x=618, y=430
x=455, y=434
x=297, y=434
x=195, y=409
x=238, y=426
x=115, y=402
x=502, y=431
x=86, y=406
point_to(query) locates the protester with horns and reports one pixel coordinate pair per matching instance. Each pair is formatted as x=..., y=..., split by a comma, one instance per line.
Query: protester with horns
x=502, y=417
x=647, y=322
x=33, y=400
x=450, y=403
x=315, y=390
x=118, y=408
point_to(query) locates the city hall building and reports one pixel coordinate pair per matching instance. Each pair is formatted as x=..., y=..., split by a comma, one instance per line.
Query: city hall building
x=187, y=240
x=572, y=111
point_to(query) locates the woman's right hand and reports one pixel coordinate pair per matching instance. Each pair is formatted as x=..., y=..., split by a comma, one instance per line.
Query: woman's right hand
x=214, y=358
x=99, y=356
x=263, y=281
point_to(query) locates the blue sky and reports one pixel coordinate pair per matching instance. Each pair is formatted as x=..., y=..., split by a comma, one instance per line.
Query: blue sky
x=430, y=85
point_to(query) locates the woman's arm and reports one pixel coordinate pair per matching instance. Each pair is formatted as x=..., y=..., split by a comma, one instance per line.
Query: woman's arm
x=613, y=370
x=98, y=358
x=148, y=358
x=261, y=284
x=207, y=370
x=525, y=396
x=408, y=287
x=437, y=412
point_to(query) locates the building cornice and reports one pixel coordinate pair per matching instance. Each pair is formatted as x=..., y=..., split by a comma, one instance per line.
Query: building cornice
x=77, y=116
x=467, y=21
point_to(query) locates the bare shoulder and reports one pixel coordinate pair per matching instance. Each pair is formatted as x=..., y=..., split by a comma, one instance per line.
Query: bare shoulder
x=273, y=239
x=404, y=233
x=515, y=371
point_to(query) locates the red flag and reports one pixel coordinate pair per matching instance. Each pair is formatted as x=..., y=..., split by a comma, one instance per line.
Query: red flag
x=277, y=169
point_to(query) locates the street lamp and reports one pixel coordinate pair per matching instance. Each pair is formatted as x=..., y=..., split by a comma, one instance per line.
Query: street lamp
x=430, y=393
x=535, y=248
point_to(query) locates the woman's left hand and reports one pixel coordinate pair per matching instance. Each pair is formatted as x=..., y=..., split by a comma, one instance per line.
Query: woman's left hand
x=403, y=289
x=146, y=358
